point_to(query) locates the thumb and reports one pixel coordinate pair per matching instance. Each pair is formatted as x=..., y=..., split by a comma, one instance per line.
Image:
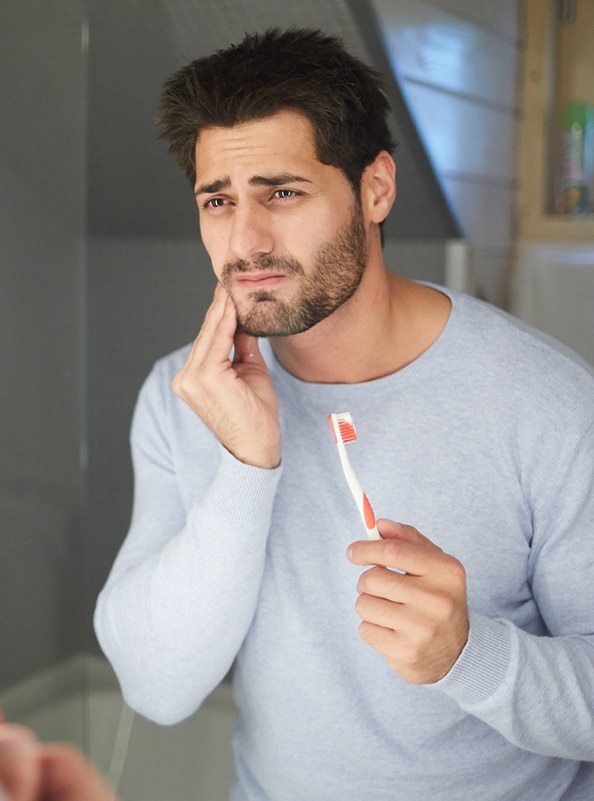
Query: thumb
x=390, y=530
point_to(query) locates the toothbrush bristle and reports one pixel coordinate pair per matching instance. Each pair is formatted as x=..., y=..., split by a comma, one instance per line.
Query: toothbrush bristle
x=346, y=427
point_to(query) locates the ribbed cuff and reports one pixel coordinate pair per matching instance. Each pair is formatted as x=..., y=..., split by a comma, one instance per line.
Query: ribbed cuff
x=484, y=665
x=242, y=493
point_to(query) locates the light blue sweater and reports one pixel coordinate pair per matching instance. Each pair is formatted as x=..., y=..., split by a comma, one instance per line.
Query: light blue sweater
x=486, y=445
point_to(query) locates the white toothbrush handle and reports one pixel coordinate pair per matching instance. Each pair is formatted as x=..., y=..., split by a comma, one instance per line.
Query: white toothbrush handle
x=363, y=505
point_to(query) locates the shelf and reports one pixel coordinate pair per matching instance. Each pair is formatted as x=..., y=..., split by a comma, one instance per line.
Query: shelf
x=557, y=228
x=558, y=65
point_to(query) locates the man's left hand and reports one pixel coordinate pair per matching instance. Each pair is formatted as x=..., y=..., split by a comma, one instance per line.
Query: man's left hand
x=417, y=619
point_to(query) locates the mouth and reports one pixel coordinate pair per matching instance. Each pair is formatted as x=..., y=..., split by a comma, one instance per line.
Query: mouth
x=259, y=280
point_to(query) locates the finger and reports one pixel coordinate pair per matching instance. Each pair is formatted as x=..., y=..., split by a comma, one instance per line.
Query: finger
x=216, y=335
x=214, y=341
x=402, y=547
x=389, y=529
x=385, y=583
x=67, y=776
x=381, y=612
x=19, y=771
x=409, y=607
x=395, y=554
x=378, y=611
x=211, y=318
x=405, y=597
x=384, y=640
x=247, y=350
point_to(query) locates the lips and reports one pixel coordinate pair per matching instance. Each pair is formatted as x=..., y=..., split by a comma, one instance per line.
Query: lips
x=259, y=280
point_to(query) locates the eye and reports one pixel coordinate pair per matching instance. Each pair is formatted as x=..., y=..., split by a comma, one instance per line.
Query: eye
x=215, y=203
x=285, y=194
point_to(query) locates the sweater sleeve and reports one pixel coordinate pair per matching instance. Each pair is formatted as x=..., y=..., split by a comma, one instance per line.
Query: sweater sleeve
x=183, y=589
x=538, y=691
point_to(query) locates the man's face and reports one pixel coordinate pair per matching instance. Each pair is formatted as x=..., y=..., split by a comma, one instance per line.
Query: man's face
x=284, y=232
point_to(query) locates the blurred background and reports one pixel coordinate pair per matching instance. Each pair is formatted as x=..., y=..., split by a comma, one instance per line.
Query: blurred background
x=102, y=272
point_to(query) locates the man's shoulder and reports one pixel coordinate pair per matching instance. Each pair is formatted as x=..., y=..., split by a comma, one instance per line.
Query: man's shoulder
x=519, y=345
x=165, y=368
x=532, y=377
x=156, y=392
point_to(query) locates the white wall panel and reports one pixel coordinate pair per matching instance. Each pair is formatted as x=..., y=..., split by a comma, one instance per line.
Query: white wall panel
x=462, y=136
x=499, y=15
x=433, y=46
x=491, y=270
x=486, y=209
x=456, y=61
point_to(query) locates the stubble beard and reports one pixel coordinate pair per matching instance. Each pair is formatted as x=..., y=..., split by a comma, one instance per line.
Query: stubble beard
x=338, y=266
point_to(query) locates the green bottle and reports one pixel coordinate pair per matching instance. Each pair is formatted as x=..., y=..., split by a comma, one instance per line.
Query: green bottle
x=578, y=153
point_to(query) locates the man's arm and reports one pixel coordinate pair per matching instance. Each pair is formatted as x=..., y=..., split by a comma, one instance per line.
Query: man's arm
x=537, y=691
x=184, y=587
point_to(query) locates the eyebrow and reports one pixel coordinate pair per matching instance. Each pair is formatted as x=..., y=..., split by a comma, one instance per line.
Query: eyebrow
x=256, y=180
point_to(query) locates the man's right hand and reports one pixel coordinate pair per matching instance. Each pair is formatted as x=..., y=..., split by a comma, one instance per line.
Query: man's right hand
x=236, y=399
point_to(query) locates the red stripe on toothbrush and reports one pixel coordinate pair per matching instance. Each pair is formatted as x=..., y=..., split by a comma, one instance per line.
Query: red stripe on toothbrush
x=332, y=427
x=368, y=512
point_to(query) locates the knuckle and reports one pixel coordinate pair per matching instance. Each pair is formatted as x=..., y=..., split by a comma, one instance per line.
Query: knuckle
x=444, y=606
x=362, y=605
x=368, y=633
x=458, y=571
x=178, y=389
x=392, y=551
x=367, y=580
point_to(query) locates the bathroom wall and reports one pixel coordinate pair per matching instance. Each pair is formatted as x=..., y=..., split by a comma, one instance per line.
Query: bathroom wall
x=42, y=198
x=457, y=62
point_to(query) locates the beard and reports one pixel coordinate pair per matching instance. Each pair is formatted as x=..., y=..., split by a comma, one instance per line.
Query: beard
x=338, y=266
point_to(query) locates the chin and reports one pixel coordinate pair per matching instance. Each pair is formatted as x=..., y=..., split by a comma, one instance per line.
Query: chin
x=261, y=329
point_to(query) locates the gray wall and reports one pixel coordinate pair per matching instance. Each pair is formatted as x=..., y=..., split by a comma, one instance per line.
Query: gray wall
x=146, y=297
x=42, y=197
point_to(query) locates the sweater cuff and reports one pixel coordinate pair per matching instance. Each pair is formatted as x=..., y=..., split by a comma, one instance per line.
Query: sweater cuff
x=485, y=664
x=242, y=493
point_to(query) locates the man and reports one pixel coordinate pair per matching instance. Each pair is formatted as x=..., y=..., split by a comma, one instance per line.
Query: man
x=479, y=682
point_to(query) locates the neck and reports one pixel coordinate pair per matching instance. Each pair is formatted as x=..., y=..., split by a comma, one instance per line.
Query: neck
x=387, y=324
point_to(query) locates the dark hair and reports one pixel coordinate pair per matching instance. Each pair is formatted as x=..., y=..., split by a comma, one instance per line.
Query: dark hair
x=305, y=70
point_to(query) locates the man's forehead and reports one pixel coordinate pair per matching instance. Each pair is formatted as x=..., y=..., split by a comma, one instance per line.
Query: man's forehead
x=278, y=141
x=262, y=127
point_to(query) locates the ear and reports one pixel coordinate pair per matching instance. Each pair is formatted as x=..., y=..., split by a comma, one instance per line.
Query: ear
x=378, y=187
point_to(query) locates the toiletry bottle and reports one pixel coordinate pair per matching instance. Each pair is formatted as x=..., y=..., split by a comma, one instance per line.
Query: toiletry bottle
x=574, y=184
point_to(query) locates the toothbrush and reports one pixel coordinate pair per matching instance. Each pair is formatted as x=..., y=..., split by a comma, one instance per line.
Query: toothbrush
x=344, y=432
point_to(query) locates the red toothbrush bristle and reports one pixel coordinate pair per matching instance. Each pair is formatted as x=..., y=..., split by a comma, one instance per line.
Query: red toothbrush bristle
x=347, y=431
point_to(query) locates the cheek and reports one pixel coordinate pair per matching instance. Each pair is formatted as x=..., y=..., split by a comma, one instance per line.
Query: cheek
x=215, y=244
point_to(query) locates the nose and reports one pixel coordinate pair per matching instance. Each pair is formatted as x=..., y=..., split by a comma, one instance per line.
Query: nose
x=250, y=235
